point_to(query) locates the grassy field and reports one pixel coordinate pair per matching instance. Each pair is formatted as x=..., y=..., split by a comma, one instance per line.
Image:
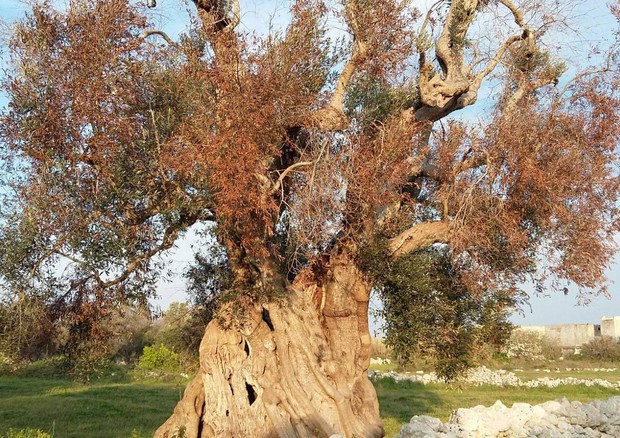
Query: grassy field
x=115, y=409
x=101, y=410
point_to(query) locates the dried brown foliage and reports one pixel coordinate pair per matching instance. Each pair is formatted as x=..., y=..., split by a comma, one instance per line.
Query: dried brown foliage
x=295, y=145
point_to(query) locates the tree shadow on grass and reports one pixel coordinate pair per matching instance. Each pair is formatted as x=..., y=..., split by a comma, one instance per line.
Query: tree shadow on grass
x=404, y=399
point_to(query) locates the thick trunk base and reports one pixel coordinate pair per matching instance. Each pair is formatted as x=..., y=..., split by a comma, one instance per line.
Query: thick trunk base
x=293, y=368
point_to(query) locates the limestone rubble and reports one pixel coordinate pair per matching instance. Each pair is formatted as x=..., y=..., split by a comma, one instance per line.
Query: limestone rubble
x=559, y=418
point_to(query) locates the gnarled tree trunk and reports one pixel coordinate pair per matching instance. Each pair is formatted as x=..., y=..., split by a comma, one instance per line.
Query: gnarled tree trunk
x=294, y=368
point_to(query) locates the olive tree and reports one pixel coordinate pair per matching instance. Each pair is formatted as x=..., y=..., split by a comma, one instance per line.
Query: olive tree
x=300, y=149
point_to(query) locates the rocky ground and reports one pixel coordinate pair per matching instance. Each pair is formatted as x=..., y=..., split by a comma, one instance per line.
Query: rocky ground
x=560, y=418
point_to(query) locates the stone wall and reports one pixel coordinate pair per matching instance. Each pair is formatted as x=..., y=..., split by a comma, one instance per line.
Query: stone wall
x=560, y=418
x=484, y=376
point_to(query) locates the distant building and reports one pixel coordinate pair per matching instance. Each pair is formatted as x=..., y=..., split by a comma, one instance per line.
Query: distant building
x=610, y=326
x=571, y=337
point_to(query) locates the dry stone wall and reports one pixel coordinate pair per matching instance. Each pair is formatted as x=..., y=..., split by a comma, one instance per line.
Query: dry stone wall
x=484, y=376
x=560, y=418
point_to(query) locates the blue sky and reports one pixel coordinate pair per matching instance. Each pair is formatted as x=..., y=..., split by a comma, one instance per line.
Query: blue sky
x=595, y=25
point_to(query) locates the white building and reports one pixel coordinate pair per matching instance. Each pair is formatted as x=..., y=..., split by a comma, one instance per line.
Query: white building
x=574, y=336
x=610, y=326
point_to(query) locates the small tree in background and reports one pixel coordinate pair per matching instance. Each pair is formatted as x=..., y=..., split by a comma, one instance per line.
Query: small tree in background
x=27, y=330
x=180, y=329
x=131, y=332
x=429, y=313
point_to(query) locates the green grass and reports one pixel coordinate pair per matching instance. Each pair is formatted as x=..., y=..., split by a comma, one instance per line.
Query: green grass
x=108, y=409
x=101, y=410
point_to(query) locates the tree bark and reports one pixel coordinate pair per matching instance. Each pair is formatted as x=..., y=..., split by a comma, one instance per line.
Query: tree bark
x=295, y=367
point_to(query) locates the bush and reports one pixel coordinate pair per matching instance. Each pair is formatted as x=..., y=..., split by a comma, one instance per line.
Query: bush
x=379, y=349
x=159, y=359
x=602, y=348
x=551, y=350
x=27, y=433
x=181, y=329
x=525, y=344
x=27, y=331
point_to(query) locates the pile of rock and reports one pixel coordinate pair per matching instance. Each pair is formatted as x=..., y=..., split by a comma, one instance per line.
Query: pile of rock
x=484, y=376
x=379, y=361
x=560, y=418
x=552, y=383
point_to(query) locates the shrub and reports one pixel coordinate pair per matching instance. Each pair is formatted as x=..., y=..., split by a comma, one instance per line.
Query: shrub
x=27, y=433
x=551, y=350
x=181, y=329
x=525, y=344
x=159, y=359
x=379, y=349
x=130, y=328
x=48, y=368
x=27, y=332
x=602, y=348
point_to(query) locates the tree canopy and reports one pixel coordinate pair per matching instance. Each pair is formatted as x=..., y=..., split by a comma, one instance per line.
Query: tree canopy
x=116, y=145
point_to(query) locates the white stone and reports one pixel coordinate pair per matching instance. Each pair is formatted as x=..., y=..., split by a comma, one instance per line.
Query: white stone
x=559, y=418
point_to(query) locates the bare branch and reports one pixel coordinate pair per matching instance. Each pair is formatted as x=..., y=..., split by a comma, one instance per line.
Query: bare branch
x=422, y=167
x=332, y=118
x=499, y=54
x=164, y=35
x=40, y=260
x=170, y=236
x=168, y=240
x=522, y=91
x=516, y=12
x=419, y=236
x=422, y=33
x=456, y=88
x=236, y=16
x=359, y=52
x=606, y=69
x=427, y=20
x=218, y=19
x=449, y=45
x=286, y=171
x=219, y=24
